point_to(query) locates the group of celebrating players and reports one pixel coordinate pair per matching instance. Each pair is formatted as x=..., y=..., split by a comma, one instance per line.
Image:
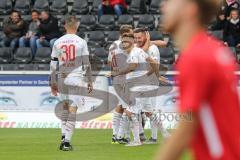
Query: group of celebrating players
x=134, y=62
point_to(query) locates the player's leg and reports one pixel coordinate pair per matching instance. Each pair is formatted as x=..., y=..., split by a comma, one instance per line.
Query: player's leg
x=134, y=124
x=116, y=122
x=141, y=127
x=154, y=133
x=64, y=118
x=122, y=138
x=123, y=124
x=154, y=130
x=156, y=122
x=63, y=96
x=127, y=131
x=70, y=127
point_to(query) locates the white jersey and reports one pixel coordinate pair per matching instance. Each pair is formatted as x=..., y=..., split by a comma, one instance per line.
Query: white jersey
x=154, y=53
x=118, y=57
x=137, y=55
x=69, y=49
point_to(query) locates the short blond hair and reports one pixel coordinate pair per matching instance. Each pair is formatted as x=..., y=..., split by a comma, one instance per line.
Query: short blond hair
x=71, y=21
x=125, y=29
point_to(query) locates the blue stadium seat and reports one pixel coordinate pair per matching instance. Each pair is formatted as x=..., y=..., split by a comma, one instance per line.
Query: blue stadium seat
x=41, y=5
x=111, y=37
x=6, y=55
x=146, y=21
x=43, y=55
x=102, y=54
x=5, y=7
x=23, y=55
x=106, y=23
x=96, y=39
x=154, y=7
x=167, y=56
x=23, y=6
x=59, y=7
x=80, y=7
x=155, y=35
x=125, y=19
x=95, y=6
x=137, y=7
x=87, y=23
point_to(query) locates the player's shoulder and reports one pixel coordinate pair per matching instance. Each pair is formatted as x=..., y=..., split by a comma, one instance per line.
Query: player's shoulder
x=137, y=50
x=153, y=48
x=115, y=45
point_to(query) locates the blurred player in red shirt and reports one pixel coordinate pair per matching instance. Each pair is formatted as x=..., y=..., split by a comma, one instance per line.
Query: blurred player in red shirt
x=207, y=86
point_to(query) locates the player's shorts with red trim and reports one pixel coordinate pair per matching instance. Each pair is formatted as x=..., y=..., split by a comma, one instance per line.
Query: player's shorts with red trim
x=68, y=87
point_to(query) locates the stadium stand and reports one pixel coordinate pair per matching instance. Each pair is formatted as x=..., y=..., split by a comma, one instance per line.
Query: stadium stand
x=6, y=55
x=99, y=32
x=43, y=55
x=146, y=21
x=124, y=19
x=23, y=6
x=95, y=39
x=88, y=22
x=111, y=37
x=154, y=7
x=23, y=55
x=80, y=7
x=41, y=5
x=5, y=7
x=167, y=56
x=106, y=23
x=59, y=7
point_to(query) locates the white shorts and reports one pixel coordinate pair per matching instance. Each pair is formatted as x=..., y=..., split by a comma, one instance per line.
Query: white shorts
x=145, y=104
x=136, y=103
x=121, y=94
x=69, y=88
x=138, y=100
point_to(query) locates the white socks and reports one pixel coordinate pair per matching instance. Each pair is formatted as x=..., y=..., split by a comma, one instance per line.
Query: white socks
x=127, y=129
x=70, y=126
x=156, y=122
x=64, y=118
x=154, y=131
x=141, y=130
x=123, y=126
x=116, y=122
x=135, y=128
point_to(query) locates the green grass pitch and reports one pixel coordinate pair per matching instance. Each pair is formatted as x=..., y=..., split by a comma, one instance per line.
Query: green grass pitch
x=42, y=144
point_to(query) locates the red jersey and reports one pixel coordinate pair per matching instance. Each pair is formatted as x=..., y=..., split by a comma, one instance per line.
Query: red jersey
x=208, y=87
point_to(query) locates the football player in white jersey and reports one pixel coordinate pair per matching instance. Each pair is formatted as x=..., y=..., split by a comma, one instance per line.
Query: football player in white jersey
x=142, y=38
x=136, y=74
x=70, y=57
x=117, y=61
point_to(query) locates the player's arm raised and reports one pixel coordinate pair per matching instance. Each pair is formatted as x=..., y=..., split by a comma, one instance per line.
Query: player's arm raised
x=160, y=43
